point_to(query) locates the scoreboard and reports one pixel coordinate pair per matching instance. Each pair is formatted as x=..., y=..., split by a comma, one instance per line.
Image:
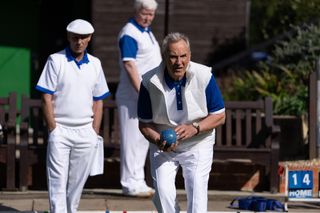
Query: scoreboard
x=300, y=181
x=300, y=184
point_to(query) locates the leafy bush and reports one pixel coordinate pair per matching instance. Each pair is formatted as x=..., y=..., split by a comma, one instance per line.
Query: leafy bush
x=285, y=78
x=273, y=17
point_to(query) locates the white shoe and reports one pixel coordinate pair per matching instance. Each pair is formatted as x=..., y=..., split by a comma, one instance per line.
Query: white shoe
x=140, y=192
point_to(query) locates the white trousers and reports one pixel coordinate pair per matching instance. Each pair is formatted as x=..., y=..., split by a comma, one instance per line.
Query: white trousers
x=68, y=166
x=196, y=166
x=134, y=148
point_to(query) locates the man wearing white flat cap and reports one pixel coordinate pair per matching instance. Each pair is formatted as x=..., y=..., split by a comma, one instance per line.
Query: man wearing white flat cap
x=73, y=87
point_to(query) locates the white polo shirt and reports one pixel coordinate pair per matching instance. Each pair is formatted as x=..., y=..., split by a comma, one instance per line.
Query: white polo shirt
x=74, y=86
x=136, y=44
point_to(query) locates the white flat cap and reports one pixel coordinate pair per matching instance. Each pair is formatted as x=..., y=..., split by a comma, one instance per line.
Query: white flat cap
x=80, y=26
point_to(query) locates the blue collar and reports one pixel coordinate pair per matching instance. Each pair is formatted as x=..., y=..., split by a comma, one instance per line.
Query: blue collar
x=177, y=86
x=142, y=29
x=172, y=83
x=70, y=57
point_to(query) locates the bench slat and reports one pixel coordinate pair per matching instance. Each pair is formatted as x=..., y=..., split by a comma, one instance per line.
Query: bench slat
x=244, y=104
x=229, y=128
x=248, y=126
x=239, y=117
x=258, y=121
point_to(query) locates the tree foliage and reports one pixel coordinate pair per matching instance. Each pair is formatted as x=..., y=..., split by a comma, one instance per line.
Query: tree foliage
x=285, y=77
x=273, y=17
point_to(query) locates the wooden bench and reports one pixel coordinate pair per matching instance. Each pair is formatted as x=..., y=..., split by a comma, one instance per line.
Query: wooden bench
x=8, y=112
x=249, y=134
x=110, y=130
x=33, y=145
x=34, y=136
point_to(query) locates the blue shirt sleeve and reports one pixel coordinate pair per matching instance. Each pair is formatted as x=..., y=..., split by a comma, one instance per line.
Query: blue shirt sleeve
x=144, y=104
x=128, y=47
x=214, y=98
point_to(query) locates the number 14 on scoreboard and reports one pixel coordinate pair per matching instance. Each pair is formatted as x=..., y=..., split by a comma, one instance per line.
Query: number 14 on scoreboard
x=300, y=184
x=300, y=179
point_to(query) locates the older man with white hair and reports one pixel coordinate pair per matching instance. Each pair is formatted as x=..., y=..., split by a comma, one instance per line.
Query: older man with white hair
x=73, y=87
x=139, y=53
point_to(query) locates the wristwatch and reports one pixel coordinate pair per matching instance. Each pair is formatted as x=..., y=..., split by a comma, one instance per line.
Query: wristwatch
x=197, y=126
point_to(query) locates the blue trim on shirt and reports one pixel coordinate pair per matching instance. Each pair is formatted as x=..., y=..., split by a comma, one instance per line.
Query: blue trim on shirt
x=171, y=82
x=142, y=29
x=144, y=104
x=128, y=47
x=44, y=90
x=178, y=87
x=135, y=23
x=84, y=60
x=213, y=96
x=102, y=96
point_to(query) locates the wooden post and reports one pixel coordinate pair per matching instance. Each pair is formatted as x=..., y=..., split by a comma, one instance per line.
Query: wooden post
x=313, y=117
x=166, y=18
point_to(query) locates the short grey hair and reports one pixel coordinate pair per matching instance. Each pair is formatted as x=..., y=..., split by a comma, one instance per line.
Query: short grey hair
x=147, y=4
x=173, y=38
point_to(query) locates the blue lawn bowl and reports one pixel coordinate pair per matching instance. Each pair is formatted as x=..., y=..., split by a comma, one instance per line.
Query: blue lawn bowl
x=168, y=135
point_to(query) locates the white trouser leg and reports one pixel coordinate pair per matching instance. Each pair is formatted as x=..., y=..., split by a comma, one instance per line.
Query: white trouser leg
x=164, y=169
x=58, y=152
x=196, y=166
x=68, y=166
x=134, y=148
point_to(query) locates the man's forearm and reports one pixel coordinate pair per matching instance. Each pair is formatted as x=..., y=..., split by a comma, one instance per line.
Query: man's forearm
x=149, y=132
x=47, y=107
x=97, y=115
x=133, y=74
x=212, y=121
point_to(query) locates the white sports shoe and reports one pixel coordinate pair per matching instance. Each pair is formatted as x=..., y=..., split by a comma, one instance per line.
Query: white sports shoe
x=145, y=191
